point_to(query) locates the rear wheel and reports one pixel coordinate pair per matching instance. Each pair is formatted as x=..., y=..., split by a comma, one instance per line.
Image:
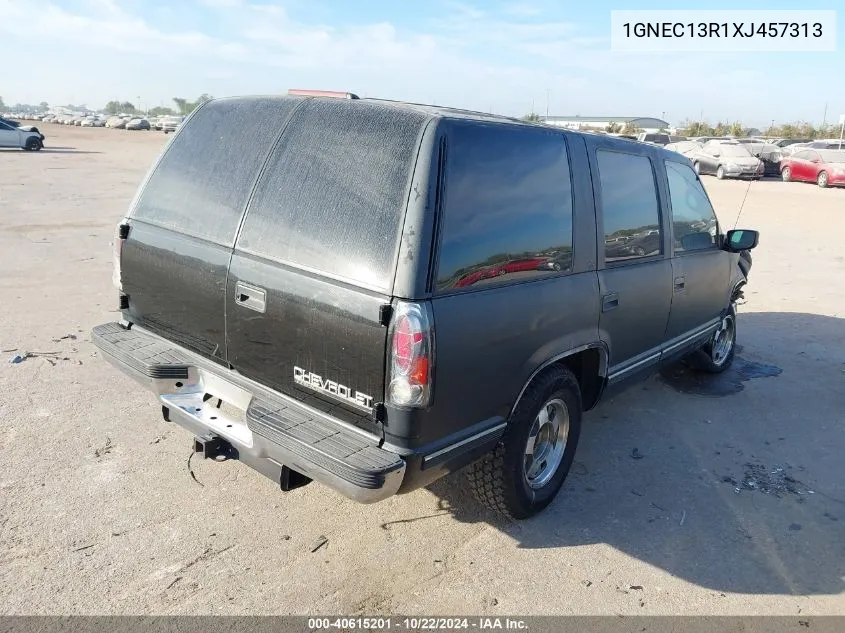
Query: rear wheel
x=33, y=144
x=822, y=179
x=525, y=471
x=786, y=174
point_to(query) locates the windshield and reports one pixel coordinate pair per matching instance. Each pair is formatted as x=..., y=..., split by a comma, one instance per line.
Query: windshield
x=734, y=150
x=833, y=156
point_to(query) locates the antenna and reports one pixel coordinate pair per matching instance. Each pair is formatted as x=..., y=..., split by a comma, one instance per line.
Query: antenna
x=742, y=206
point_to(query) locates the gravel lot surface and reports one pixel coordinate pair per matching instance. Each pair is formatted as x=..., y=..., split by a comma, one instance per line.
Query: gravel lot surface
x=732, y=503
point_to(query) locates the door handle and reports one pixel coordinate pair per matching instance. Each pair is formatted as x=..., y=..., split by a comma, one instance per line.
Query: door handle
x=250, y=297
x=680, y=282
x=610, y=301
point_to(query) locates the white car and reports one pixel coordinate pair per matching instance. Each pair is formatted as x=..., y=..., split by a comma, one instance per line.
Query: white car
x=138, y=124
x=23, y=139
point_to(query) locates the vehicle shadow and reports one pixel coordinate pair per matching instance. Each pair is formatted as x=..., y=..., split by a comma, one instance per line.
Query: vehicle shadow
x=737, y=487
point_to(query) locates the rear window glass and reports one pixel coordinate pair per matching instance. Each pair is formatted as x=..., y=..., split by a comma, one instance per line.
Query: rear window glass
x=334, y=193
x=508, y=206
x=202, y=183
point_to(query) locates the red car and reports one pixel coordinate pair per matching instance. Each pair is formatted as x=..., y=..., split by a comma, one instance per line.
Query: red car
x=822, y=166
x=521, y=265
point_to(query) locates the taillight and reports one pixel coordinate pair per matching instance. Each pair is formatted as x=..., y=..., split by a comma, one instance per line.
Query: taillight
x=411, y=362
x=120, y=235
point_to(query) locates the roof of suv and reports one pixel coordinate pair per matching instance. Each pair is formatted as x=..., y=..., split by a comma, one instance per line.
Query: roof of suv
x=435, y=111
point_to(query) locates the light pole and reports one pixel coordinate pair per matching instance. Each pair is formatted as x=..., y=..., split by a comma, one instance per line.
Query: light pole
x=548, y=94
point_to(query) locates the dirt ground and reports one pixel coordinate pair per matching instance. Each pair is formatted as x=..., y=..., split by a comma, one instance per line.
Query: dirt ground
x=686, y=497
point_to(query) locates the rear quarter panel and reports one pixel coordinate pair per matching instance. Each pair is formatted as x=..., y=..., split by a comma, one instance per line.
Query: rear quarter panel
x=489, y=341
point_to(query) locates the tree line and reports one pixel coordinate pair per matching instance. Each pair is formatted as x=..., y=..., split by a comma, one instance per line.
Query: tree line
x=182, y=106
x=798, y=129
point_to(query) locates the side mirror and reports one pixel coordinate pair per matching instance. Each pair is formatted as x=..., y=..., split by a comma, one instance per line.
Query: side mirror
x=741, y=240
x=716, y=154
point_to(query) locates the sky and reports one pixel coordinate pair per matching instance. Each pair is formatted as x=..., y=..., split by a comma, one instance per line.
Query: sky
x=504, y=56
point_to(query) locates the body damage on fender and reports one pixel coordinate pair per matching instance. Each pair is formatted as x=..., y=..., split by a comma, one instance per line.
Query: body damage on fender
x=330, y=387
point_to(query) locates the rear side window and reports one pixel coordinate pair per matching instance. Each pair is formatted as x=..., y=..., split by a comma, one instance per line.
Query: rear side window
x=202, y=183
x=507, y=212
x=629, y=207
x=334, y=194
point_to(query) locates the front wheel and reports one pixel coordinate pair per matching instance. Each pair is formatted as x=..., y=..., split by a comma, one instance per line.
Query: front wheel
x=720, y=173
x=697, y=167
x=33, y=144
x=526, y=470
x=822, y=179
x=786, y=174
x=718, y=354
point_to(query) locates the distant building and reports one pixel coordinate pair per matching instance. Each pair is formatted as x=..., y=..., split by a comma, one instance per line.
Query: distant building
x=646, y=124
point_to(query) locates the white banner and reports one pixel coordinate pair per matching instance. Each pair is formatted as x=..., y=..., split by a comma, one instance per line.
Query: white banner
x=723, y=31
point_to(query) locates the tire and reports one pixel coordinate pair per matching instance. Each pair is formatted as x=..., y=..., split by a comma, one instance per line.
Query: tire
x=786, y=174
x=720, y=173
x=822, y=180
x=639, y=251
x=697, y=168
x=714, y=357
x=33, y=144
x=503, y=480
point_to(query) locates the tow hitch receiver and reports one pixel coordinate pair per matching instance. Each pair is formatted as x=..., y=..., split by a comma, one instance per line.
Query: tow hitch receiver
x=212, y=446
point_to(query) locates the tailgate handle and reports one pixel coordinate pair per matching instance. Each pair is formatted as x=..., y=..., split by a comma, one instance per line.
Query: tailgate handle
x=250, y=297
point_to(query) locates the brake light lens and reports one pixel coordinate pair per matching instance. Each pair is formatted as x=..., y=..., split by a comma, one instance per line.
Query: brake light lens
x=298, y=92
x=411, y=360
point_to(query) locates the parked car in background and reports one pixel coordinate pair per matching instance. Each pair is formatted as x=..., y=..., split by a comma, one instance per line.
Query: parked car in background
x=686, y=148
x=707, y=139
x=23, y=128
x=769, y=154
x=92, y=121
x=12, y=136
x=785, y=142
x=825, y=167
x=138, y=124
x=654, y=138
x=831, y=143
x=726, y=159
x=170, y=123
x=794, y=147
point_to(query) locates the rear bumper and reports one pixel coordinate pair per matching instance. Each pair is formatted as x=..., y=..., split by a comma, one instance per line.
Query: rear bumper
x=268, y=430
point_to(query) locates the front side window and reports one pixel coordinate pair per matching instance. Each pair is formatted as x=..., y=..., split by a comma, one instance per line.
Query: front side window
x=507, y=212
x=693, y=221
x=629, y=206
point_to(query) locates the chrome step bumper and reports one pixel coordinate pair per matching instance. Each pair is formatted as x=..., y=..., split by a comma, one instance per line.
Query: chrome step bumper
x=268, y=429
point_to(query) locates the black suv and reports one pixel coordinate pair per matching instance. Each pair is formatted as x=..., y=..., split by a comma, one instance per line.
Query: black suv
x=374, y=294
